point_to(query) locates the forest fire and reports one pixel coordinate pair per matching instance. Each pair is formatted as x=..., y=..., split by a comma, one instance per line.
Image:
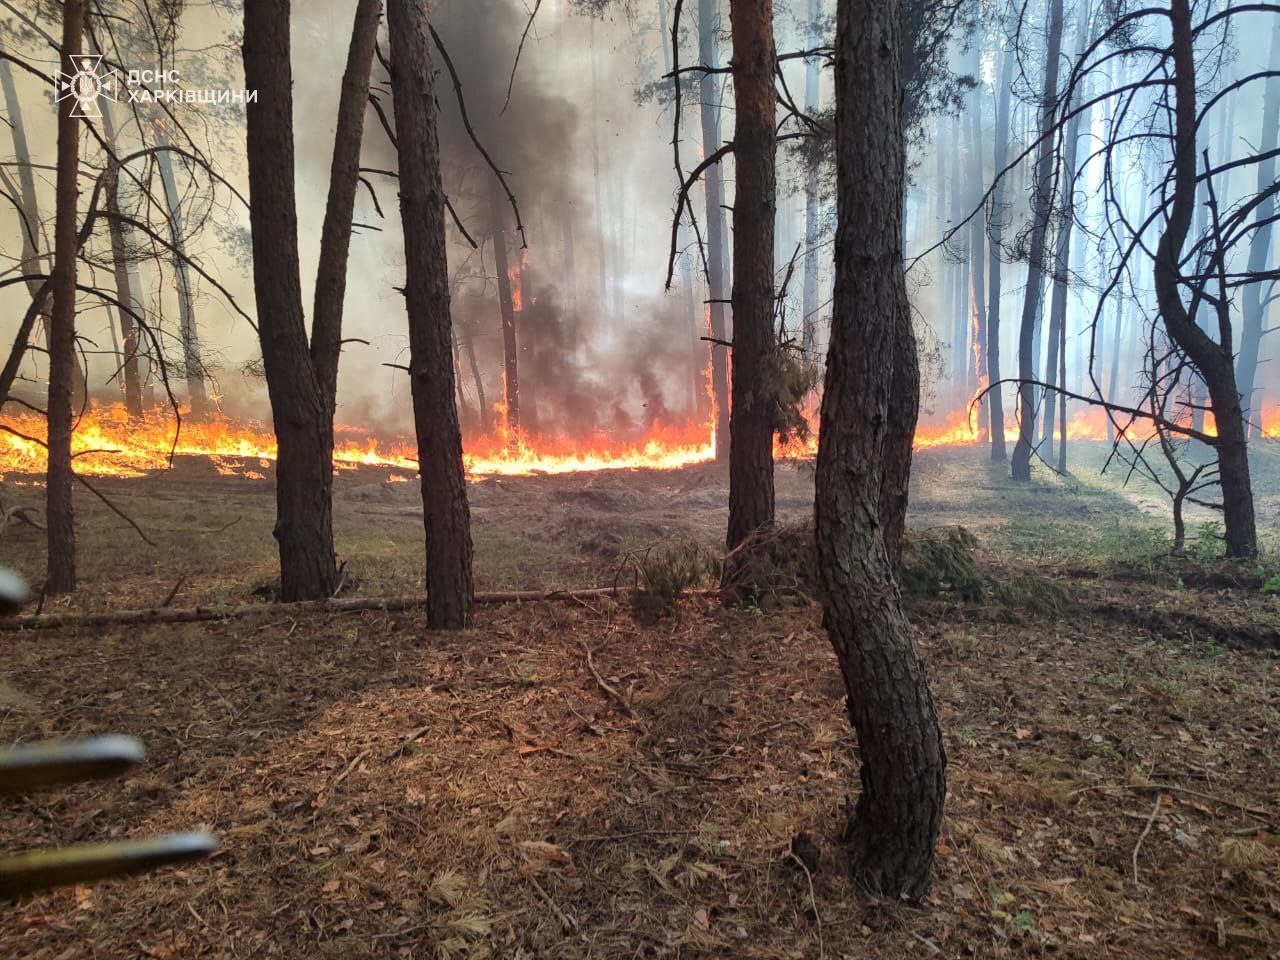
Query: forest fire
x=108, y=443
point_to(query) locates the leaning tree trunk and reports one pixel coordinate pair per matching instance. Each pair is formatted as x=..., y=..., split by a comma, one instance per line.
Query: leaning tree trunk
x=751, y=417
x=510, y=363
x=446, y=515
x=995, y=253
x=60, y=524
x=1260, y=242
x=28, y=207
x=344, y=180
x=1041, y=201
x=299, y=411
x=713, y=190
x=892, y=834
x=1213, y=360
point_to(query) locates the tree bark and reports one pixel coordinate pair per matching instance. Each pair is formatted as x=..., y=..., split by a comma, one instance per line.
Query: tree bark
x=895, y=825
x=977, y=237
x=510, y=361
x=713, y=192
x=59, y=519
x=446, y=515
x=1213, y=360
x=1042, y=200
x=344, y=180
x=751, y=416
x=299, y=410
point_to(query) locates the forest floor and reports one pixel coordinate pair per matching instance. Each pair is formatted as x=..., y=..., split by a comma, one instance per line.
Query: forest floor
x=563, y=781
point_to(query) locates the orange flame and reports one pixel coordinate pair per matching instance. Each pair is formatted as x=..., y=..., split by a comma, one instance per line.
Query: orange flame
x=107, y=443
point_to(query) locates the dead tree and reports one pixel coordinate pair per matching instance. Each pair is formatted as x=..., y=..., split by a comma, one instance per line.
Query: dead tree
x=446, y=515
x=894, y=828
x=751, y=417
x=59, y=519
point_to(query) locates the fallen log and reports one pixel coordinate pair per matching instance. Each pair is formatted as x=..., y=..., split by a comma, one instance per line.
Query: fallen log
x=107, y=618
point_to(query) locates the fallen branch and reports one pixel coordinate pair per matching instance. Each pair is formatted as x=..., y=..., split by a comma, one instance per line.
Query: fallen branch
x=151, y=615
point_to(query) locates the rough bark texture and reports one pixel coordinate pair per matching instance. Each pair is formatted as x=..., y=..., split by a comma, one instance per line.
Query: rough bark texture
x=995, y=252
x=304, y=470
x=60, y=523
x=446, y=515
x=1041, y=201
x=895, y=825
x=510, y=360
x=713, y=189
x=751, y=416
x=1212, y=359
x=344, y=179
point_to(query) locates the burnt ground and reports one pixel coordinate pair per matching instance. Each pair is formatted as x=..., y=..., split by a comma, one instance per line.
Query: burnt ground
x=562, y=781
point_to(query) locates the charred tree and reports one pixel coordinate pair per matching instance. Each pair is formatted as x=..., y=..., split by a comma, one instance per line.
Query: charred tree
x=751, y=417
x=1042, y=200
x=713, y=191
x=304, y=437
x=1213, y=360
x=894, y=828
x=59, y=519
x=506, y=303
x=446, y=514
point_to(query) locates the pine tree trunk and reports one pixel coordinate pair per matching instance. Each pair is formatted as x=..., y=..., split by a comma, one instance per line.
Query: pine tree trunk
x=751, y=416
x=1042, y=199
x=995, y=253
x=59, y=520
x=713, y=189
x=446, y=515
x=1214, y=361
x=892, y=834
x=510, y=365
x=344, y=180
x=977, y=237
x=299, y=410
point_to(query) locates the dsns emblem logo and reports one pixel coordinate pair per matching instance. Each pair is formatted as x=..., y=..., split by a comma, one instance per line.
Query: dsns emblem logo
x=87, y=81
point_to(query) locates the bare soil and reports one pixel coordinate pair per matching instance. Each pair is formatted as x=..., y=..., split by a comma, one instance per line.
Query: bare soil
x=562, y=781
